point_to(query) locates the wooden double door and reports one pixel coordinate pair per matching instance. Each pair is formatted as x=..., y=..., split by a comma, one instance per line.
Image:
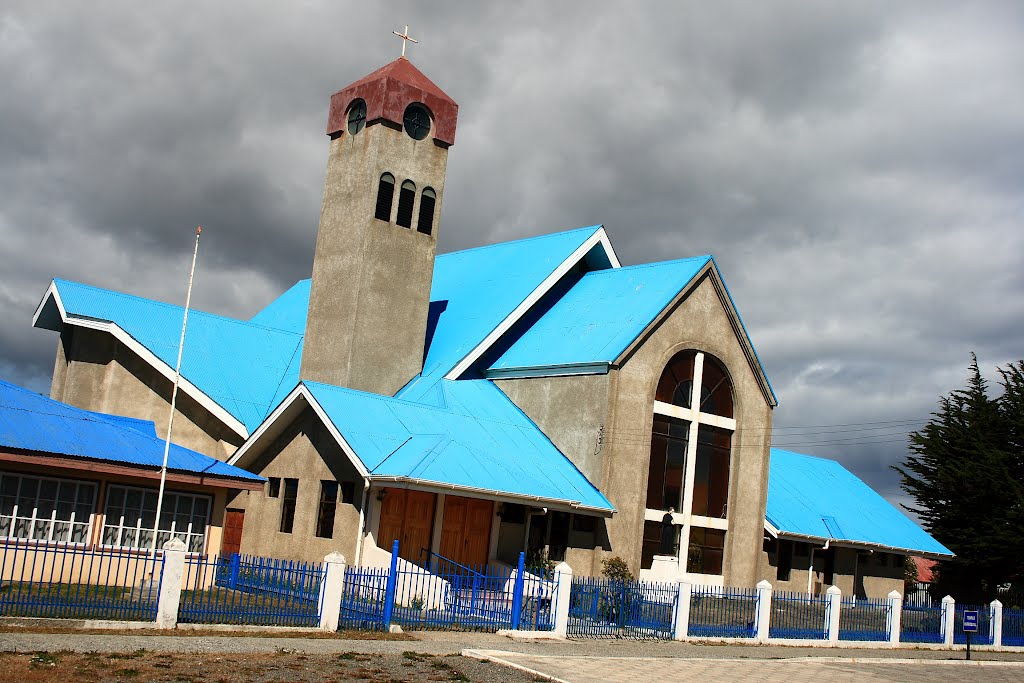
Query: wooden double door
x=408, y=517
x=466, y=530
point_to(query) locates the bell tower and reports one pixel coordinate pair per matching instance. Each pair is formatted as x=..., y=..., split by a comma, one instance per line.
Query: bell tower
x=374, y=261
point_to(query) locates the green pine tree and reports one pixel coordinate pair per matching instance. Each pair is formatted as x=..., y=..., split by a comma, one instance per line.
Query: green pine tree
x=966, y=477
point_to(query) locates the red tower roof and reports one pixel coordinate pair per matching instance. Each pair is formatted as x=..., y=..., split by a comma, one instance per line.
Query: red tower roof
x=388, y=91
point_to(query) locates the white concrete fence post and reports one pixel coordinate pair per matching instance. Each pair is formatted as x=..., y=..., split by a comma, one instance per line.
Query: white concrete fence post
x=331, y=588
x=169, y=597
x=895, y=617
x=563, y=590
x=681, y=618
x=764, y=611
x=835, y=604
x=995, y=624
x=948, y=620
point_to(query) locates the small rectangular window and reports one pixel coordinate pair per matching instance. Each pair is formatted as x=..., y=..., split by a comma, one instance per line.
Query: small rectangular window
x=348, y=492
x=325, y=512
x=273, y=487
x=291, y=492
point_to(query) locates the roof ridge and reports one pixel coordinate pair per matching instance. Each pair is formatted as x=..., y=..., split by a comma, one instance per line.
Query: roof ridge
x=653, y=264
x=415, y=404
x=593, y=228
x=165, y=304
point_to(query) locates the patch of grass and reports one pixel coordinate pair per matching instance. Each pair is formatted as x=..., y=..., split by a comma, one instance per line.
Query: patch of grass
x=128, y=655
x=45, y=659
x=127, y=673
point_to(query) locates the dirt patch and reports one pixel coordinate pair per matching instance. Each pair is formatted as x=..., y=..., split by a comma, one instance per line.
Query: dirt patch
x=318, y=635
x=281, y=667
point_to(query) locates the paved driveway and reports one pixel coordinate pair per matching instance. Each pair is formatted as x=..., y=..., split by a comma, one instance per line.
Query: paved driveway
x=578, y=669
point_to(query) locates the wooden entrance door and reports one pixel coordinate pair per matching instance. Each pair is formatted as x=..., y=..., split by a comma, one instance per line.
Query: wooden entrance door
x=466, y=530
x=231, y=541
x=408, y=517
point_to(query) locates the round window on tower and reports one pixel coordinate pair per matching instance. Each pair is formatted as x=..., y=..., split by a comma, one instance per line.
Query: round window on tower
x=356, y=117
x=417, y=121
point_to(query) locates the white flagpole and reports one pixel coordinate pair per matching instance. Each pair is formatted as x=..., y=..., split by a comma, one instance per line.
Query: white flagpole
x=174, y=394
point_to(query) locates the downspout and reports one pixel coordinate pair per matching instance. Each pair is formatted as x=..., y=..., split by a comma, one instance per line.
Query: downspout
x=810, y=568
x=362, y=522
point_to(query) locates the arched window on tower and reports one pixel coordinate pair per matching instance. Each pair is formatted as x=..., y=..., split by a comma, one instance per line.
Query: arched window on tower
x=425, y=223
x=385, y=197
x=406, y=198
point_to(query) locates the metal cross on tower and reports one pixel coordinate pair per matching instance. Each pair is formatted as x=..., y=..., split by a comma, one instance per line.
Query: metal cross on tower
x=405, y=38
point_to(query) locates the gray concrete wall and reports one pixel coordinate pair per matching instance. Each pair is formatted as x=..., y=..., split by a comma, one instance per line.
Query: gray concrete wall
x=304, y=451
x=572, y=411
x=96, y=372
x=371, y=279
x=877, y=581
x=698, y=322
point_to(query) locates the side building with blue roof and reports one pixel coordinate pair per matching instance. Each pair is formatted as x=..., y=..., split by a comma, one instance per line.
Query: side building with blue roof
x=73, y=477
x=532, y=396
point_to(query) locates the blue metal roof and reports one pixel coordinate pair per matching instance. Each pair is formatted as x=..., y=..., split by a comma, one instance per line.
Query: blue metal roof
x=596, y=320
x=31, y=422
x=239, y=365
x=809, y=496
x=479, y=441
x=474, y=290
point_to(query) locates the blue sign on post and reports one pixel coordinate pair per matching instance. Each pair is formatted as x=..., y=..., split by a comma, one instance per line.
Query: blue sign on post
x=970, y=621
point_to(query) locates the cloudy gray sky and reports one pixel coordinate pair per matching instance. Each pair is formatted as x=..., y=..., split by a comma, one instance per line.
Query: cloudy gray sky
x=855, y=168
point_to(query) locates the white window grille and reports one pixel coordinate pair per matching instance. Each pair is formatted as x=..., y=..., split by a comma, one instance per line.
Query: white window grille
x=45, y=508
x=130, y=515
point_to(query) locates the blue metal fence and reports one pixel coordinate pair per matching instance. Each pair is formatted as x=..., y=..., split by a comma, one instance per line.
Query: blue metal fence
x=248, y=590
x=363, y=598
x=1013, y=627
x=603, y=608
x=921, y=624
x=864, y=619
x=41, y=580
x=984, y=634
x=439, y=593
x=723, y=612
x=798, y=615
x=443, y=594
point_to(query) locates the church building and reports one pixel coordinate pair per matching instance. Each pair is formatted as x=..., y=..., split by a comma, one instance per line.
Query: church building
x=533, y=395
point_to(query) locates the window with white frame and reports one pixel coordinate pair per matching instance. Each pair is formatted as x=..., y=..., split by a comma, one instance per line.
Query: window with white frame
x=45, y=508
x=130, y=514
x=688, y=477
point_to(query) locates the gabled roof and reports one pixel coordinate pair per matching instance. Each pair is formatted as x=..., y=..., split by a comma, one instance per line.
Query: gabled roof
x=478, y=441
x=596, y=323
x=232, y=367
x=600, y=316
x=31, y=422
x=480, y=292
x=820, y=500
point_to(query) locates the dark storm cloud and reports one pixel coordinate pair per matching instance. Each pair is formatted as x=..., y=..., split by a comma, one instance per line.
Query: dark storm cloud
x=854, y=167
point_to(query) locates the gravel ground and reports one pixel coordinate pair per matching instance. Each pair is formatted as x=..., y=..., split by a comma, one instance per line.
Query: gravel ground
x=282, y=667
x=436, y=643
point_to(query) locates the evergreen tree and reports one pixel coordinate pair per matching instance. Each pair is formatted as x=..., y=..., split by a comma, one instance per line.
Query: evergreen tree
x=966, y=476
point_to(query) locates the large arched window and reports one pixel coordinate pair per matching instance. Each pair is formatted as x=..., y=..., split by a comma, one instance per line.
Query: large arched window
x=385, y=197
x=406, y=198
x=425, y=222
x=688, y=477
